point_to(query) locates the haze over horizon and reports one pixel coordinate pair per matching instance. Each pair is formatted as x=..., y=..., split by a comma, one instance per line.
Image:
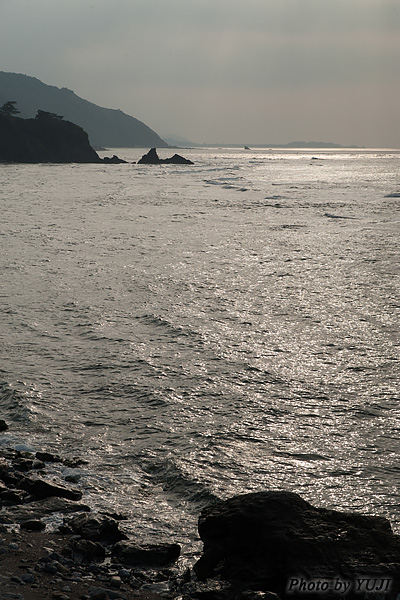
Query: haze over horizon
x=232, y=71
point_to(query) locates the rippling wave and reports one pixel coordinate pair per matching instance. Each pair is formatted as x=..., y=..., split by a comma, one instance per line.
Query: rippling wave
x=205, y=331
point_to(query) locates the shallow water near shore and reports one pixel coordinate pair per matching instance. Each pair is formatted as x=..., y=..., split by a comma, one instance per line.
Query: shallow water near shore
x=201, y=331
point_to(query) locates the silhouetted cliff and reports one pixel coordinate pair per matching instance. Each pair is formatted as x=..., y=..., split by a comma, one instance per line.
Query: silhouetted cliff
x=44, y=139
x=105, y=127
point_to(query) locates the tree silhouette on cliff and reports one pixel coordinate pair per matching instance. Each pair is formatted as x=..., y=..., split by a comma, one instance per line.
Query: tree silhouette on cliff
x=9, y=108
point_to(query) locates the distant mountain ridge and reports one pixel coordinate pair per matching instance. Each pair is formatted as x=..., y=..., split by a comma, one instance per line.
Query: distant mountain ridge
x=106, y=127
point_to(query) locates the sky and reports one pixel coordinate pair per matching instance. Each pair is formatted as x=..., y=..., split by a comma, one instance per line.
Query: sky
x=221, y=71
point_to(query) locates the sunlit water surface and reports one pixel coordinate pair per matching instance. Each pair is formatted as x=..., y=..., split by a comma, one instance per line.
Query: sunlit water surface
x=201, y=331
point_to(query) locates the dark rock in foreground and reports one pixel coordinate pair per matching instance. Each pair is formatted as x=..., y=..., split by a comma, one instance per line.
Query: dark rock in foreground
x=48, y=457
x=152, y=158
x=149, y=555
x=278, y=542
x=33, y=525
x=96, y=528
x=85, y=551
x=40, y=509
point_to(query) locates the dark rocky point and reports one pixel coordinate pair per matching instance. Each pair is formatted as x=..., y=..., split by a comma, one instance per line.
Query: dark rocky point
x=45, y=139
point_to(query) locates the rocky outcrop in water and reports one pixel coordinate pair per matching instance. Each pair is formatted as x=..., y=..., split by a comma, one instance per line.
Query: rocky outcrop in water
x=152, y=158
x=278, y=542
x=114, y=160
x=44, y=140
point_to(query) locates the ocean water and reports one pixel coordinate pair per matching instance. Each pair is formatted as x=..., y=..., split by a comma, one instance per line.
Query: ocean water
x=201, y=331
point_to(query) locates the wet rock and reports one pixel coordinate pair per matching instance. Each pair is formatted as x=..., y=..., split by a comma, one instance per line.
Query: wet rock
x=85, y=551
x=37, y=465
x=115, y=582
x=213, y=589
x=124, y=573
x=148, y=555
x=116, y=516
x=48, y=457
x=61, y=568
x=160, y=588
x=3, y=425
x=96, y=528
x=23, y=464
x=9, y=497
x=12, y=476
x=50, y=568
x=6, y=473
x=98, y=593
x=28, y=578
x=72, y=478
x=74, y=462
x=43, y=489
x=39, y=509
x=262, y=540
x=33, y=525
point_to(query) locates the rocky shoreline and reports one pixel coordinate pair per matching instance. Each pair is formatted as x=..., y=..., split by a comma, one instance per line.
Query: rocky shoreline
x=259, y=546
x=87, y=557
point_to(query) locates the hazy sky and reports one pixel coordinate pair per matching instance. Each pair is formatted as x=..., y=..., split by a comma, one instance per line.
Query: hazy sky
x=245, y=71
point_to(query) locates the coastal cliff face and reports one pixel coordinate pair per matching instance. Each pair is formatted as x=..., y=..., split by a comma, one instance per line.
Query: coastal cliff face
x=45, y=139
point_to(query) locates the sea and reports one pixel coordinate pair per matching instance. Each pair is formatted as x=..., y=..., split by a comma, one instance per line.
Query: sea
x=199, y=331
